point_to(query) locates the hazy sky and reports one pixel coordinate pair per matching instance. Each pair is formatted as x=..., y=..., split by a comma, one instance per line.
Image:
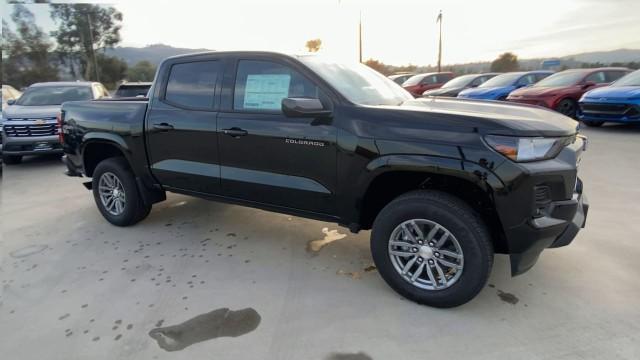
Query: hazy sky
x=395, y=32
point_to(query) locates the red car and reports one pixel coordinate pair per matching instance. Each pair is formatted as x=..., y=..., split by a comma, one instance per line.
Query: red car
x=561, y=91
x=417, y=84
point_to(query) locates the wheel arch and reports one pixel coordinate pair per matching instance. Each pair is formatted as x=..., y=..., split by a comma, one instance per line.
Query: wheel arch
x=394, y=175
x=100, y=146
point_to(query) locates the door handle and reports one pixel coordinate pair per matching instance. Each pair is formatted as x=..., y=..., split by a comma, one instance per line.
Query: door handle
x=235, y=132
x=163, y=127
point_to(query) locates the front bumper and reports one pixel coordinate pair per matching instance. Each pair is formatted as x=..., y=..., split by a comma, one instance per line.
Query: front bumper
x=620, y=112
x=32, y=145
x=557, y=229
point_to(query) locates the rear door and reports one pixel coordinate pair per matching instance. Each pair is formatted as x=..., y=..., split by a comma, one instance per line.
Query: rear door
x=266, y=156
x=181, y=133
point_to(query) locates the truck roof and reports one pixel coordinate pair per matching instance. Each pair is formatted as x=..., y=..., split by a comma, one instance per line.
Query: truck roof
x=64, y=83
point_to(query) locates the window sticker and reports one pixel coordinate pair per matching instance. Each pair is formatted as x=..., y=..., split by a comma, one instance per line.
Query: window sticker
x=266, y=91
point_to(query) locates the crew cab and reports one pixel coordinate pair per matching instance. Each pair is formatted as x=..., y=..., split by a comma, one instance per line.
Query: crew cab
x=443, y=184
x=30, y=126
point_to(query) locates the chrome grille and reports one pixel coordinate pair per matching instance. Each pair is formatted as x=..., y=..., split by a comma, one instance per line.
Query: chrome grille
x=30, y=130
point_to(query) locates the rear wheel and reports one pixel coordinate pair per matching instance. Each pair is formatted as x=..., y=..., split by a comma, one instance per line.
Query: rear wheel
x=11, y=159
x=432, y=248
x=567, y=107
x=593, y=123
x=116, y=193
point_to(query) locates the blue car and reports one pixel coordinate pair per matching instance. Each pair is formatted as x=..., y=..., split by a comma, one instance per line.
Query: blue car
x=618, y=102
x=499, y=87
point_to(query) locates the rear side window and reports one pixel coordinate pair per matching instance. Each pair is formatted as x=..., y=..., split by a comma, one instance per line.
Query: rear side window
x=527, y=80
x=192, y=85
x=261, y=86
x=443, y=78
x=612, y=76
x=541, y=76
x=431, y=79
x=597, y=77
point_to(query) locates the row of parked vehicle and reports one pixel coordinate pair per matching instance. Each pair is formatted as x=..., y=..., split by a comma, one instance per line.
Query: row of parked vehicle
x=594, y=96
x=29, y=124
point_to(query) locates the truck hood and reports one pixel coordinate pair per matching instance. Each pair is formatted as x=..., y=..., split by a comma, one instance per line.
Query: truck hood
x=613, y=92
x=491, y=117
x=30, y=112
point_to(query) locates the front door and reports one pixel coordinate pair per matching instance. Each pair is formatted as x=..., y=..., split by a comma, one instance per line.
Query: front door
x=268, y=157
x=181, y=128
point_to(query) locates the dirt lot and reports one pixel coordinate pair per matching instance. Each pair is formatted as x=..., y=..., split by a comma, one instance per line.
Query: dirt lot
x=75, y=287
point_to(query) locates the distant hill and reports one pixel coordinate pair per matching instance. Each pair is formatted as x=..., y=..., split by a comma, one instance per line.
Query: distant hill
x=152, y=53
x=620, y=55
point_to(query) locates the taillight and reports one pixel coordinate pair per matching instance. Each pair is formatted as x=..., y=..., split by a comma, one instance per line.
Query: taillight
x=59, y=127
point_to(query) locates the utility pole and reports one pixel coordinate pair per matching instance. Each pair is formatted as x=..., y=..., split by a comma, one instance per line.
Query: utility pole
x=93, y=53
x=439, y=20
x=360, y=37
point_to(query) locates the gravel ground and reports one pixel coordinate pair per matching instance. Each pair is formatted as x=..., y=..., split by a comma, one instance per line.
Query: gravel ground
x=199, y=279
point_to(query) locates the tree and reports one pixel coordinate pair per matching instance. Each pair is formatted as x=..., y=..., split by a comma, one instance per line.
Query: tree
x=314, y=45
x=112, y=70
x=141, y=71
x=505, y=62
x=26, y=53
x=378, y=66
x=83, y=30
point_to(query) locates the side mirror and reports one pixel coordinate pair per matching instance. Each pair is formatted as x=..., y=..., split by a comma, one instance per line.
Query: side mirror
x=304, y=107
x=588, y=84
x=11, y=101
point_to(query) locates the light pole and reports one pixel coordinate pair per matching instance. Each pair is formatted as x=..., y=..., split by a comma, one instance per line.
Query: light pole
x=439, y=20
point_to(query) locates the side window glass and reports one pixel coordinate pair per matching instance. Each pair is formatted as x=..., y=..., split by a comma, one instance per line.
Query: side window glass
x=612, y=76
x=541, y=76
x=478, y=81
x=261, y=86
x=192, y=85
x=526, y=80
x=597, y=77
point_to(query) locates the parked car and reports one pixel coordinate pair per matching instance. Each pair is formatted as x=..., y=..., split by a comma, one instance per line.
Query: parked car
x=619, y=102
x=453, y=87
x=561, y=91
x=417, y=84
x=30, y=126
x=400, y=78
x=443, y=184
x=9, y=93
x=499, y=87
x=132, y=89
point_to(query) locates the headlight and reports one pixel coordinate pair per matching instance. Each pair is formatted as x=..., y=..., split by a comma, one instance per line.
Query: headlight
x=526, y=148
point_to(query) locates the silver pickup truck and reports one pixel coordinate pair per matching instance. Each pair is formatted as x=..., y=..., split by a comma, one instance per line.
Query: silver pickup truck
x=29, y=123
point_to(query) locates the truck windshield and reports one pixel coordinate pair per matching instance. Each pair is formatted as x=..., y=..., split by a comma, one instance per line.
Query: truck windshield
x=54, y=95
x=358, y=83
x=632, y=79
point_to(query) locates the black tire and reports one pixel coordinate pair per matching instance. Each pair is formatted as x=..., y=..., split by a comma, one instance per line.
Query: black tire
x=593, y=123
x=134, y=208
x=11, y=159
x=460, y=220
x=567, y=107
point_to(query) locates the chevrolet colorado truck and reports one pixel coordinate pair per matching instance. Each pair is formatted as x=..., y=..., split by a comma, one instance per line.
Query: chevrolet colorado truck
x=443, y=184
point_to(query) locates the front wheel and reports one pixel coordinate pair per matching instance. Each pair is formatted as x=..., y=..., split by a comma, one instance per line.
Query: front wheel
x=116, y=193
x=567, y=107
x=432, y=248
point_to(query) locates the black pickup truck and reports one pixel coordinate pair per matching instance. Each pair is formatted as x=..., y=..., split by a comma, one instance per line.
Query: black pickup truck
x=443, y=184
